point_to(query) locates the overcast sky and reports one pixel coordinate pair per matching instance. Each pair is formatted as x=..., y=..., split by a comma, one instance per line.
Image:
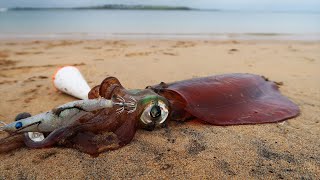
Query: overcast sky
x=313, y=5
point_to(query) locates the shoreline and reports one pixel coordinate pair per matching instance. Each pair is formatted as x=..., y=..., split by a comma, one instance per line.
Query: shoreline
x=164, y=36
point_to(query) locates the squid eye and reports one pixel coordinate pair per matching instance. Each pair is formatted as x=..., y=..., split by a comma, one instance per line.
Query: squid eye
x=155, y=111
x=154, y=114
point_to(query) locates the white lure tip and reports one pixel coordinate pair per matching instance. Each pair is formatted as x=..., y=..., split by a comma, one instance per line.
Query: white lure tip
x=69, y=80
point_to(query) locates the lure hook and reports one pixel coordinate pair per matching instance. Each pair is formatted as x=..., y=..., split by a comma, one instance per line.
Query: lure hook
x=3, y=124
x=129, y=106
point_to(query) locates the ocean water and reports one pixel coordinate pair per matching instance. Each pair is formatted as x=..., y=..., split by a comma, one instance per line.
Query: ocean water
x=134, y=23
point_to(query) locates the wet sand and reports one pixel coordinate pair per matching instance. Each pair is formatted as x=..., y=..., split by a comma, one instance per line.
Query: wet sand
x=286, y=150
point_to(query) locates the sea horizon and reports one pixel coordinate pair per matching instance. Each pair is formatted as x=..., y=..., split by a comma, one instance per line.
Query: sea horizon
x=150, y=21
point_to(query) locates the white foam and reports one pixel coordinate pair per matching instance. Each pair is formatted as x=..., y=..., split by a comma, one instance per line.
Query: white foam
x=3, y=9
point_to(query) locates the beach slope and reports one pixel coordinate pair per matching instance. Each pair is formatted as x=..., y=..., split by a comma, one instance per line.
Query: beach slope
x=285, y=150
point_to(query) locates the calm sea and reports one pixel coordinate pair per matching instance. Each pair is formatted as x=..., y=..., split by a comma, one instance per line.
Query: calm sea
x=68, y=23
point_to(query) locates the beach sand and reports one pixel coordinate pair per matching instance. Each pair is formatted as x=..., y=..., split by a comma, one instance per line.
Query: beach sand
x=286, y=150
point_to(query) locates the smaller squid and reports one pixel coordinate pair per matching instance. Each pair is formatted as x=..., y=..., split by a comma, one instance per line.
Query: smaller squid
x=111, y=116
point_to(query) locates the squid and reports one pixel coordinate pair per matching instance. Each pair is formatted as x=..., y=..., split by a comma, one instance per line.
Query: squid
x=112, y=114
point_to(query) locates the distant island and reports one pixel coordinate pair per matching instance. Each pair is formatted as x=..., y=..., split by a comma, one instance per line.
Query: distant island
x=136, y=7
x=109, y=6
x=115, y=7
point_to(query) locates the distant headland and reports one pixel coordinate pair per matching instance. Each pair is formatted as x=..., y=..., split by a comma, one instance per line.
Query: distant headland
x=114, y=7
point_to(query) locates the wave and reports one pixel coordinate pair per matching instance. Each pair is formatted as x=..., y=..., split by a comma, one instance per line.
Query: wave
x=114, y=7
x=3, y=9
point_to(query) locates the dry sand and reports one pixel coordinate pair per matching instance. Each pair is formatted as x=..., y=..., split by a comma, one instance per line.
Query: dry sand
x=185, y=150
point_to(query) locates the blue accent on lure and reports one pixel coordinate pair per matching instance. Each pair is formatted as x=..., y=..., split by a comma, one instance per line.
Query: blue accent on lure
x=18, y=125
